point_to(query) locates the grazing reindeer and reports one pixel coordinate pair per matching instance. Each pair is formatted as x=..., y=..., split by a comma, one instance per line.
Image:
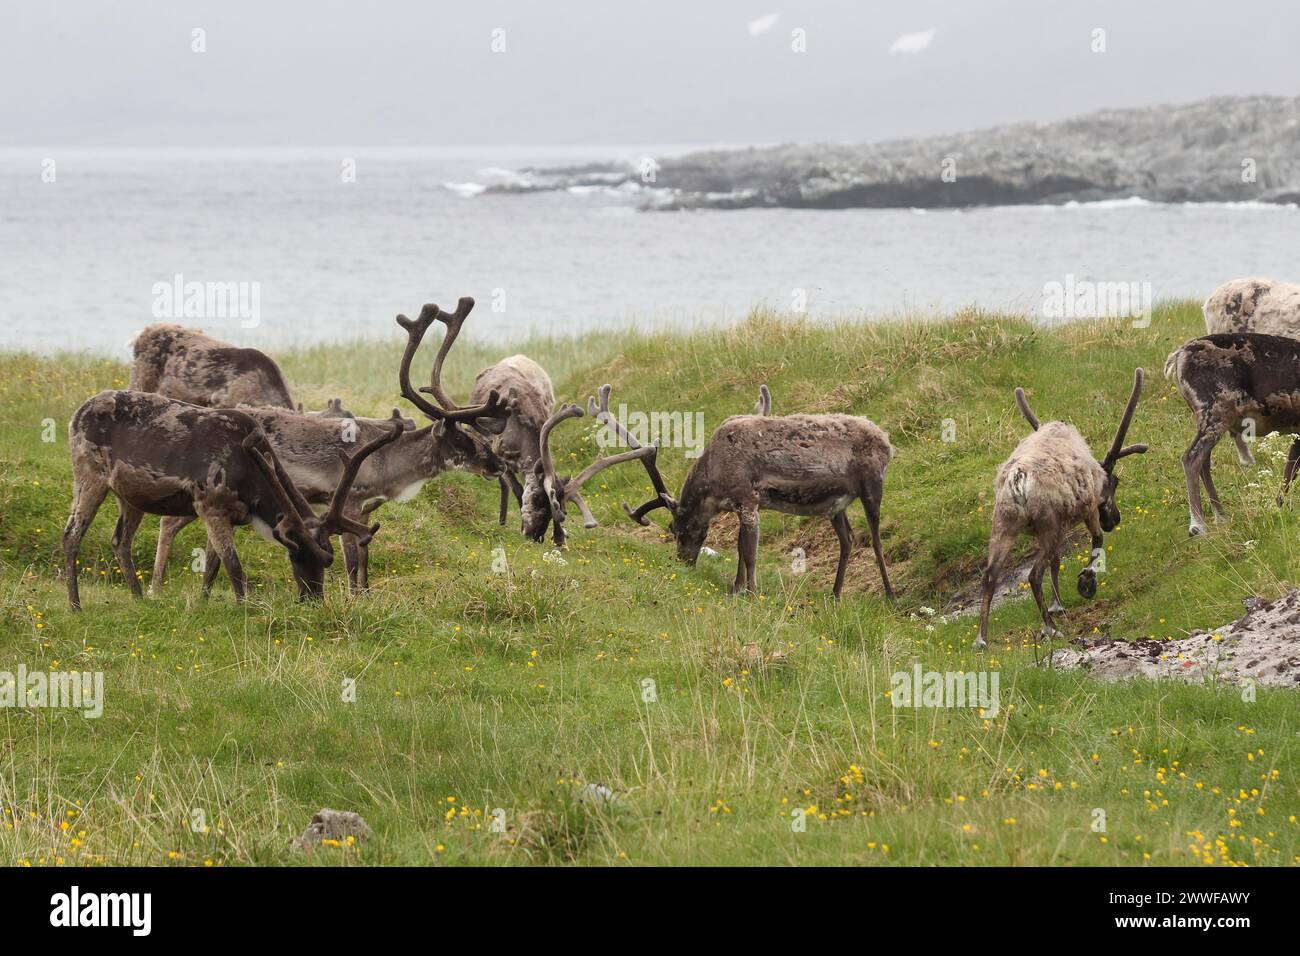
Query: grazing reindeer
x=1051, y=483
x=161, y=456
x=796, y=464
x=1264, y=306
x=1229, y=382
x=309, y=449
x=546, y=494
x=523, y=385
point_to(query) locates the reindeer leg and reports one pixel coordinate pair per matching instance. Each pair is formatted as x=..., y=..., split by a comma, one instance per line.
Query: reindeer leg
x=1057, y=607
x=505, y=500
x=168, y=528
x=1001, y=542
x=128, y=523
x=211, y=568
x=840, y=522
x=88, y=493
x=351, y=558
x=1215, y=506
x=1047, y=551
x=1207, y=436
x=1243, y=450
x=516, y=487
x=871, y=504
x=1292, y=463
x=221, y=538
x=747, y=548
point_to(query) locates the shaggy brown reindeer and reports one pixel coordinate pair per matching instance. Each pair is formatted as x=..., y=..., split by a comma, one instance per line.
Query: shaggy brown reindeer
x=1051, y=483
x=524, y=387
x=161, y=456
x=1232, y=382
x=547, y=495
x=1264, y=306
x=189, y=366
x=796, y=464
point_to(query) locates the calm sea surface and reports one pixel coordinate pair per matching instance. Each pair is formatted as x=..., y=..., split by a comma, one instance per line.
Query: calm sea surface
x=81, y=257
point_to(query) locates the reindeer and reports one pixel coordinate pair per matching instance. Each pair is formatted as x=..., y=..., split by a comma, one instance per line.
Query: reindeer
x=1051, y=483
x=309, y=447
x=161, y=456
x=526, y=390
x=1264, y=306
x=796, y=464
x=1232, y=382
x=546, y=495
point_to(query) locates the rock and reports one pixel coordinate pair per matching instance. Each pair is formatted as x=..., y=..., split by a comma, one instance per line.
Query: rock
x=1262, y=647
x=335, y=825
x=1191, y=152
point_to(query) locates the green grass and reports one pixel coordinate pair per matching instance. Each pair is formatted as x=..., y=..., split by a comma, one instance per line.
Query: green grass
x=477, y=691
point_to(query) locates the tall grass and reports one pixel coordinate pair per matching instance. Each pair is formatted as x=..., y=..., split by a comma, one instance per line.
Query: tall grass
x=754, y=730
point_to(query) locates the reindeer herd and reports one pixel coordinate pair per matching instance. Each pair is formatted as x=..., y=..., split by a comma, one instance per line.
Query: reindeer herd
x=210, y=431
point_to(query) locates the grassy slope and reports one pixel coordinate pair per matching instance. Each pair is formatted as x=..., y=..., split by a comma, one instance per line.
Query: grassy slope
x=477, y=690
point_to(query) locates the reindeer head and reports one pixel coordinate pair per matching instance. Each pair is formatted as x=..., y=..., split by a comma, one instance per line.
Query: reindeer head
x=304, y=534
x=546, y=494
x=1108, y=511
x=463, y=434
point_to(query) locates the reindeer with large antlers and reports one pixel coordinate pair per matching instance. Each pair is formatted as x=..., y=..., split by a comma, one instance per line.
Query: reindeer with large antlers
x=1051, y=483
x=525, y=389
x=796, y=464
x=160, y=456
x=547, y=495
x=309, y=449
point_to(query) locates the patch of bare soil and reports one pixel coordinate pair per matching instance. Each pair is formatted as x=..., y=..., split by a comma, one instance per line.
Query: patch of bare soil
x=1263, y=646
x=1013, y=583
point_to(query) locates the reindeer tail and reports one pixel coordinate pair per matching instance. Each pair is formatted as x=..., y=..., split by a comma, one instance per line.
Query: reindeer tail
x=1174, y=364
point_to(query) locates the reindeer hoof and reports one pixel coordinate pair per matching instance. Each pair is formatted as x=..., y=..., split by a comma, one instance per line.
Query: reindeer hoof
x=1195, y=529
x=1087, y=583
x=1056, y=608
x=1049, y=632
x=980, y=643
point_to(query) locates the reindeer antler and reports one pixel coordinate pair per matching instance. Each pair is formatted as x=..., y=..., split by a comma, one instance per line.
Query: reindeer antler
x=494, y=408
x=334, y=521
x=549, y=480
x=662, y=498
x=453, y=322
x=259, y=451
x=1117, y=451
x=764, y=406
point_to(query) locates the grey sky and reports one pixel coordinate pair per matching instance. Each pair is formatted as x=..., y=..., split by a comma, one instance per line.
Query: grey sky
x=404, y=72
